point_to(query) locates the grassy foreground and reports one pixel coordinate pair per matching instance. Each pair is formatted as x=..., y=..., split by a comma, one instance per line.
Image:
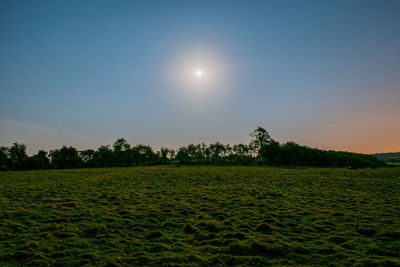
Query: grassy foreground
x=200, y=216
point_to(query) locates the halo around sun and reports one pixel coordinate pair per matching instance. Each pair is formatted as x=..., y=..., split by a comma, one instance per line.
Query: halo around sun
x=199, y=76
x=199, y=73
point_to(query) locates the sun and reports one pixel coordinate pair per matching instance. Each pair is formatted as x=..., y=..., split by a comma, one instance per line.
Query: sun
x=199, y=73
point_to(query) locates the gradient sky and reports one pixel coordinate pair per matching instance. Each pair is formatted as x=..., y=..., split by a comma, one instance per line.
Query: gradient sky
x=321, y=73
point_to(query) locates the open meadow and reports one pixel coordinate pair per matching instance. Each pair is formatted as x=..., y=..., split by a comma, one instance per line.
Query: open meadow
x=202, y=215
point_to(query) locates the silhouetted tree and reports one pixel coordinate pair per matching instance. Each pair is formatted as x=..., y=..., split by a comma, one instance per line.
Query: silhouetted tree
x=104, y=157
x=217, y=151
x=241, y=150
x=260, y=138
x=65, y=158
x=3, y=158
x=40, y=161
x=142, y=155
x=261, y=150
x=271, y=152
x=195, y=153
x=165, y=154
x=17, y=156
x=206, y=152
x=88, y=158
x=122, y=151
x=183, y=156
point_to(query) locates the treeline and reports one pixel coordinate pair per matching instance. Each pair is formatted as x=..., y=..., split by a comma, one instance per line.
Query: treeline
x=262, y=150
x=393, y=157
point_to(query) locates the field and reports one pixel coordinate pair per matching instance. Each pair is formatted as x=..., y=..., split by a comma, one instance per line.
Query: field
x=176, y=215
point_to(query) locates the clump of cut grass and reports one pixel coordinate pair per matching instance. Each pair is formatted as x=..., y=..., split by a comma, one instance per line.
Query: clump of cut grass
x=210, y=225
x=189, y=229
x=155, y=234
x=264, y=227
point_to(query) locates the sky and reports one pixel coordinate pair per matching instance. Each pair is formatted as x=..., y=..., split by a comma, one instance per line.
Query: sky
x=324, y=74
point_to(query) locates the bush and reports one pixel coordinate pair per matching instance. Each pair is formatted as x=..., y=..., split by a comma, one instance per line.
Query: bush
x=3, y=168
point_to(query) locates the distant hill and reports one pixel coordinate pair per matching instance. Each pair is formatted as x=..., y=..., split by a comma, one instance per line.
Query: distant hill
x=389, y=157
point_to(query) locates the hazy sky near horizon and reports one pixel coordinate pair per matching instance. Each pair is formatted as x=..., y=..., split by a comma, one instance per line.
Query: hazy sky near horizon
x=321, y=73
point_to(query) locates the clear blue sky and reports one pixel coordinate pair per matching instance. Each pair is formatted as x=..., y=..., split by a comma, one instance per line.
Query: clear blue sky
x=322, y=73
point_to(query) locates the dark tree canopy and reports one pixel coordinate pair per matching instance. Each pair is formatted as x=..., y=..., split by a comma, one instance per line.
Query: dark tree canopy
x=65, y=158
x=262, y=150
x=260, y=138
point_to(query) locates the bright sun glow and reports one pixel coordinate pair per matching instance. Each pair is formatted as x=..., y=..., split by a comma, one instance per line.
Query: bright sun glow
x=199, y=73
x=198, y=76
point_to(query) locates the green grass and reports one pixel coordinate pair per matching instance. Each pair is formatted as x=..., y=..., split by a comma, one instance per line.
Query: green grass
x=200, y=216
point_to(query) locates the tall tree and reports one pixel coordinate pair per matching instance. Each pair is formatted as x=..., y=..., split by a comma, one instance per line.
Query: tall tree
x=122, y=152
x=260, y=138
x=183, y=156
x=65, y=158
x=143, y=155
x=88, y=158
x=271, y=152
x=40, y=161
x=217, y=151
x=166, y=154
x=104, y=157
x=3, y=158
x=17, y=155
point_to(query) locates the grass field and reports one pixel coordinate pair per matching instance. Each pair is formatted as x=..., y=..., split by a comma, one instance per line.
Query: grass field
x=200, y=216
